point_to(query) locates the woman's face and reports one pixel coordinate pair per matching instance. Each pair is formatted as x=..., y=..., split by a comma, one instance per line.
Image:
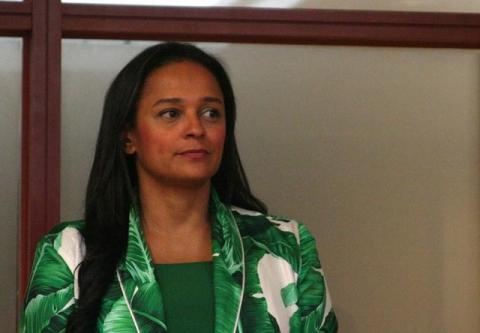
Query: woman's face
x=180, y=126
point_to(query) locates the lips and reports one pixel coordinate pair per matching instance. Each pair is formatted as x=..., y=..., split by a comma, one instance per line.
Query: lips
x=194, y=153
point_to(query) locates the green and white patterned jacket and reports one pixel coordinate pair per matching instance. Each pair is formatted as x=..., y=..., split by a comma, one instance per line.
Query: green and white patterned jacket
x=267, y=278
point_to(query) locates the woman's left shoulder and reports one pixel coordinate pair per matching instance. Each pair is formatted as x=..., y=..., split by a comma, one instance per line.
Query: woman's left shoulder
x=282, y=252
x=253, y=223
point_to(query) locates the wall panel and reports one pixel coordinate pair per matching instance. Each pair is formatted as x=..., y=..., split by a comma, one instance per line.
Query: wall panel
x=10, y=110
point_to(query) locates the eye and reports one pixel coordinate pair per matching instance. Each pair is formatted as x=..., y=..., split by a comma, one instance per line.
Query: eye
x=169, y=114
x=211, y=113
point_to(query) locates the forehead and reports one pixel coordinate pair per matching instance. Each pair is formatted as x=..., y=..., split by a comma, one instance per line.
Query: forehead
x=182, y=77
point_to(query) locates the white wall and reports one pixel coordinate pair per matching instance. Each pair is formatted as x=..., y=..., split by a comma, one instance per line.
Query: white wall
x=376, y=149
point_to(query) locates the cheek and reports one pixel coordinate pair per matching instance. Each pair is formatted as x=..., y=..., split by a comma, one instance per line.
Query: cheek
x=151, y=139
x=218, y=137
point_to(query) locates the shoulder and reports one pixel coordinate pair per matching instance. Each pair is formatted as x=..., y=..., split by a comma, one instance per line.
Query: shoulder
x=70, y=242
x=279, y=236
x=72, y=228
x=283, y=254
x=59, y=252
x=253, y=223
x=53, y=284
x=67, y=240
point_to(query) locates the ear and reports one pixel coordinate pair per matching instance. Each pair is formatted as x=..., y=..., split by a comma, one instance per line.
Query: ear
x=128, y=143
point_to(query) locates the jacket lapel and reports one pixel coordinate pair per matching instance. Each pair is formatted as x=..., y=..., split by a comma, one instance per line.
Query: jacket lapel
x=228, y=267
x=144, y=292
x=141, y=286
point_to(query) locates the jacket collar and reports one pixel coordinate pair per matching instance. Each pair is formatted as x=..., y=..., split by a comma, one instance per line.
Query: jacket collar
x=228, y=267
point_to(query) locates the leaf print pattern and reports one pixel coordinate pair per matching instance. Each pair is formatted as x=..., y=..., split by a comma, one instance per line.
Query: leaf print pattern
x=42, y=309
x=118, y=320
x=314, y=300
x=148, y=307
x=139, y=282
x=266, y=271
x=140, y=263
x=50, y=294
x=289, y=294
x=255, y=314
x=228, y=268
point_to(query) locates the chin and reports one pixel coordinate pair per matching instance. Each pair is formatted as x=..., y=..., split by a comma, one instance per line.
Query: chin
x=193, y=179
x=196, y=174
x=192, y=183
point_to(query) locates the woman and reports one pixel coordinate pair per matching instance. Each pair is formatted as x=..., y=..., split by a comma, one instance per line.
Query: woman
x=164, y=245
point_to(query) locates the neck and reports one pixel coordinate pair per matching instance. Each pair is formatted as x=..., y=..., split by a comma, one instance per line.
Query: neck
x=176, y=222
x=174, y=209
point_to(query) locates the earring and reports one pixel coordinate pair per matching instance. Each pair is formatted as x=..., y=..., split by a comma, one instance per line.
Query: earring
x=127, y=146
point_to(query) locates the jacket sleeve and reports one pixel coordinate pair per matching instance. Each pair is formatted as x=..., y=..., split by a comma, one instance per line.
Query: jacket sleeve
x=50, y=295
x=314, y=301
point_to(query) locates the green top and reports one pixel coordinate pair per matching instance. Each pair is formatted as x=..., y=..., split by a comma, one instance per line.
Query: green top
x=187, y=291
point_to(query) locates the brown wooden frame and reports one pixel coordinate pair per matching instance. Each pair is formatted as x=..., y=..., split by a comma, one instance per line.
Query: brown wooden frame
x=281, y=26
x=43, y=23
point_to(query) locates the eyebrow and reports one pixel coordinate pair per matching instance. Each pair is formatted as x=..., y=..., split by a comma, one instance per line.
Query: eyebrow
x=176, y=100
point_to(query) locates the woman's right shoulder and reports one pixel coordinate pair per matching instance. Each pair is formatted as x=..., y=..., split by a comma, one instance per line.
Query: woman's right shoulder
x=78, y=225
x=67, y=240
x=64, y=235
x=53, y=284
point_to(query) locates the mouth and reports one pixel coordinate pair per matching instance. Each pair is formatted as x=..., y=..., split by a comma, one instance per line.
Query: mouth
x=194, y=153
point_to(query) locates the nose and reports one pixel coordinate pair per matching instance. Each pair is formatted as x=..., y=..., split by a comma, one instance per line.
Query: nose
x=194, y=126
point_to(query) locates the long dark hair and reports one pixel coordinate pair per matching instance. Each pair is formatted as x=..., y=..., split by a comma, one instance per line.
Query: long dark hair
x=112, y=185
